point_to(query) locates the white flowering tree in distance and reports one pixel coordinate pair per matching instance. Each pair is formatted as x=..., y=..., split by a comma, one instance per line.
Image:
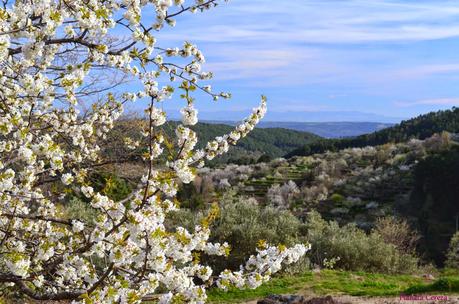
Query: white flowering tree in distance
x=57, y=55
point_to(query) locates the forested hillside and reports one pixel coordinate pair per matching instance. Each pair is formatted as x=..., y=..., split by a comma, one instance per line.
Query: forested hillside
x=273, y=142
x=269, y=143
x=420, y=127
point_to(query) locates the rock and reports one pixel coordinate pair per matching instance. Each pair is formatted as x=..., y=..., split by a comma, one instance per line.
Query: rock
x=428, y=276
x=277, y=299
x=316, y=270
x=372, y=205
x=292, y=299
x=364, y=225
x=326, y=300
x=377, y=212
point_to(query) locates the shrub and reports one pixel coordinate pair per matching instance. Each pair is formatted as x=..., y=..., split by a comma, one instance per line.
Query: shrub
x=397, y=232
x=190, y=198
x=452, y=256
x=80, y=210
x=110, y=185
x=356, y=250
x=337, y=198
x=243, y=223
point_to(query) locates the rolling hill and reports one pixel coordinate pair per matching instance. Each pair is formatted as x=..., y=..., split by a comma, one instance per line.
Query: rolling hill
x=270, y=142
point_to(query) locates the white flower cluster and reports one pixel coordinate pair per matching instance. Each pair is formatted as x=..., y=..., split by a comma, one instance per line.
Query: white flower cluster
x=189, y=115
x=52, y=52
x=221, y=144
x=259, y=268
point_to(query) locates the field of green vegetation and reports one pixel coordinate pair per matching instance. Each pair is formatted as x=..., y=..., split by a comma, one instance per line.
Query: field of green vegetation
x=334, y=282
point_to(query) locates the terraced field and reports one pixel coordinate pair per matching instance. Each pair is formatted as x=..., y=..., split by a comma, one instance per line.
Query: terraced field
x=258, y=187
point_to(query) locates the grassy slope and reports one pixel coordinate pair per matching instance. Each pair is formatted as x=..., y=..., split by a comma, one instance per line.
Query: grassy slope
x=340, y=282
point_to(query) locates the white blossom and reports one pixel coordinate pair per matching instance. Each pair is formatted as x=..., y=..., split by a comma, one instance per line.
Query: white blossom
x=67, y=178
x=189, y=115
x=77, y=226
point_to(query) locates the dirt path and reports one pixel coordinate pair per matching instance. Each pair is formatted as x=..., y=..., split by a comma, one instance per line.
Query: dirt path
x=394, y=300
x=452, y=299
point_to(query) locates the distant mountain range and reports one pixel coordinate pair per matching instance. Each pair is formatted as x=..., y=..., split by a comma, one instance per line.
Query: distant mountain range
x=327, y=116
x=322, y=129
x=294, y=116
x=328, y=124
x=298, y=116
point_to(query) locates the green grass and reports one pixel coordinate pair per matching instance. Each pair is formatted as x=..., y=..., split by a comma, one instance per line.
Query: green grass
x=362, y=284
x=446, y=285
x=276, y=286
x=340, y=282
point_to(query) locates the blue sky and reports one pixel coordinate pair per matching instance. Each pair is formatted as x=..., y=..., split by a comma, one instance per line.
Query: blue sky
x=390, y=58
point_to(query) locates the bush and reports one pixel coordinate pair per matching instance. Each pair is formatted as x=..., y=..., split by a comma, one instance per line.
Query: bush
x=80, y=210
x=452, y=256
x=243, y=223
x=110, y=185
x=337, y=198
x=190, y=197
x=356, y=250
x=397, y=232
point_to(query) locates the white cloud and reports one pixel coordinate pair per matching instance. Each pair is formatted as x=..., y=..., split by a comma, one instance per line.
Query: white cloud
x=427, y=70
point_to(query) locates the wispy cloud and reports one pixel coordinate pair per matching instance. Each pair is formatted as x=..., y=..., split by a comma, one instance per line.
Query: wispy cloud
x=370, y=52
x=330, y=22
x=252, y=62
x=299, y=106
x=439, y=101
x=281, y=66
x=427, y=70
x=296, y=41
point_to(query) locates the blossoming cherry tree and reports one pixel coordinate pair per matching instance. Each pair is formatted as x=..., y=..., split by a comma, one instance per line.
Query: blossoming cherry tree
x=57, y=58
